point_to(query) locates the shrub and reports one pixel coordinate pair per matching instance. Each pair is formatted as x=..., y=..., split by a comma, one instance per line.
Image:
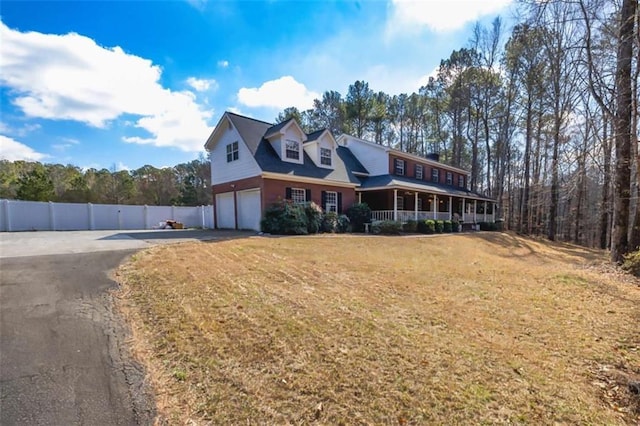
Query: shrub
x=330, y=222
x=439, y=226
x=314, y=217
x=344, y=225
x=426, y=226
x=488, y=226
x=447, y=226
x=410, y=226
x=632, y=263
x=359, y=214
x=386, y=227
x=285, y=217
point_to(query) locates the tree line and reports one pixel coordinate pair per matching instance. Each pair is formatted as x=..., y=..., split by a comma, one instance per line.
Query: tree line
x=187, y=184
x=545, y=118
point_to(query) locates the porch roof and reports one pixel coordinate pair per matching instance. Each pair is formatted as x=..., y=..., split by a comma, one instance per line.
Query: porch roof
x=383, y=182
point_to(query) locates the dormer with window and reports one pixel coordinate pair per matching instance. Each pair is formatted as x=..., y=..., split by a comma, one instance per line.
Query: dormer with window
x=435, y=175
x=321, y=148
x=287, y=139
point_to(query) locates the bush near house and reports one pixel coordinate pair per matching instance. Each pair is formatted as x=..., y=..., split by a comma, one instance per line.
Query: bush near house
x=410, y=226
x=447, y=226
x=285, y=218
x=439, y=226
x=386, y=227
x=426, y=226
x=359, y=214
x=488, y=226
x=330, y=222
x=344, y=224
x=314, y=215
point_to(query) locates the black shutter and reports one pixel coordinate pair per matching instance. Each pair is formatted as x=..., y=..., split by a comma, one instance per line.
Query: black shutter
x=307, y=195
x=339, y=202
x=405, y=172
x=287, y=193
x=324, y=200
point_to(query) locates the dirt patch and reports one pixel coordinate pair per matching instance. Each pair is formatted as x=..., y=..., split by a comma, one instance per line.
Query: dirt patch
x=488, y=328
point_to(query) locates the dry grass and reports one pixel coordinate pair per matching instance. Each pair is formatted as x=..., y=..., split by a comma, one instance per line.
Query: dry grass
x=457, y=329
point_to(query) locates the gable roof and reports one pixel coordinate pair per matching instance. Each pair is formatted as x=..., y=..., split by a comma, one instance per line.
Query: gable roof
x=315, y=135
x=251, y=130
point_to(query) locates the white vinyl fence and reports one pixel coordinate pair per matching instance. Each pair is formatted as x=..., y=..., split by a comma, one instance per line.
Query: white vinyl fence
x=41, y=216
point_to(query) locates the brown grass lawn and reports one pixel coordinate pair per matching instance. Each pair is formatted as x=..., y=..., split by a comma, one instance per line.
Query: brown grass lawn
x=454, y=329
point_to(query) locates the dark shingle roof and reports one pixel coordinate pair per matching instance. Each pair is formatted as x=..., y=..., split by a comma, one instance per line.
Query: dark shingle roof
x=251, y=130
x=315, y=135
x=437, y=188
x=276, y=128
x=269, y=161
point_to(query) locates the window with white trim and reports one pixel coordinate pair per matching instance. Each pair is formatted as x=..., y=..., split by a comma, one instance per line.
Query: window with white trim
x=292, y=149
x=435, y=175
x=298, y=195
x=325, y=157
x=461, y=181
x=399, y=167
x=418, y=171
x=331, y=204
x=400, y=202
x=449, y=178
x=232, y=152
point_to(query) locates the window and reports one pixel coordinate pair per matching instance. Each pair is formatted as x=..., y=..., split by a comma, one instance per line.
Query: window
x=325, y=157
x=400, y=202
x=418, y=171
x=331, y=203
x=461, y=181
x=232, y=152
x=298, y=195
x=399, y=167
x=449, y=178
x=435, y=175
x=292, y=150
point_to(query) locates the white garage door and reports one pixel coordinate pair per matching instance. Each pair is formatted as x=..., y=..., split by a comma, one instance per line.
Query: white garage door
x=249, y=211
x=225, y=211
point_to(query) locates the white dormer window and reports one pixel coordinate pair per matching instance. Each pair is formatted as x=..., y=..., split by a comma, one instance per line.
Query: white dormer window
x=325, y=156
x=292, y=150
x=419, y=171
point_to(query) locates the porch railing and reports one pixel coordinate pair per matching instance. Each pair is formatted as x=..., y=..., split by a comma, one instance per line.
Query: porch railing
x=406, y=215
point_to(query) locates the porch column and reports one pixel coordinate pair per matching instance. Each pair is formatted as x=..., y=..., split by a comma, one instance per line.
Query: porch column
x=395, y=204
x=359, y=197
x=416, y=206
x=450, y=207
x=475, y=211
x=485, y=211
x=464, y=208
x=435, y=207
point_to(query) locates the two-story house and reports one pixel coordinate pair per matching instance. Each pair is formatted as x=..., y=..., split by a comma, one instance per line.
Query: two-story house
x=255, y=163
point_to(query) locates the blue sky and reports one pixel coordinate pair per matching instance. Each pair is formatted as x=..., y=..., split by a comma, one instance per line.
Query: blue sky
x=121, y=84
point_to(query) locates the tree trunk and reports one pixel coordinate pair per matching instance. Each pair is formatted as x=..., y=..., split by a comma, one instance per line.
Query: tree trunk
x=622, y=182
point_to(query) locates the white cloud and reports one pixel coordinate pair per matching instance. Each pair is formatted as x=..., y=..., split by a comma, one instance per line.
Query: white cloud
x=280, y=93
x=121, y=166
x=13, y=150
x=202, y=85
x=18, y=131
x=70, y=77
x=223, y=64
x=439, y=15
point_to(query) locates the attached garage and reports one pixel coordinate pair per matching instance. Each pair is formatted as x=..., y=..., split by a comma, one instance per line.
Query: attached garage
x=249, y=209
x=225, y=211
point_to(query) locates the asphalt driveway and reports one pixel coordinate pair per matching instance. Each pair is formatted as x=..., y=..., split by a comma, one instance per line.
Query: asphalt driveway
x=63, y=353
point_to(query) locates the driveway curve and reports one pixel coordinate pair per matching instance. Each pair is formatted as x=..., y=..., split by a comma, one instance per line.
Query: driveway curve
x=63, y=353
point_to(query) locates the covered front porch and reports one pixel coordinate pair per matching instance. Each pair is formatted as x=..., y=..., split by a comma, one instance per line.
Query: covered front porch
x=405, y=204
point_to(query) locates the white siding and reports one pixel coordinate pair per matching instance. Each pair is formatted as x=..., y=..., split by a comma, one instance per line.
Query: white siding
x=244, y=167
x=375, y=159
x=313, y=151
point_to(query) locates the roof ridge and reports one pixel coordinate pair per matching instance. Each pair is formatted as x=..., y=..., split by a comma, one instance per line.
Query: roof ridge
x=249, y=118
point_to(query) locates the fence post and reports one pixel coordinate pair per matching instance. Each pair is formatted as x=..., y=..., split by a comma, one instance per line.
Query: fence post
x=7, y=215
x=204, y=225
x=90, y=213
x=52, y=217
x=146, y=217
x=119, y=218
